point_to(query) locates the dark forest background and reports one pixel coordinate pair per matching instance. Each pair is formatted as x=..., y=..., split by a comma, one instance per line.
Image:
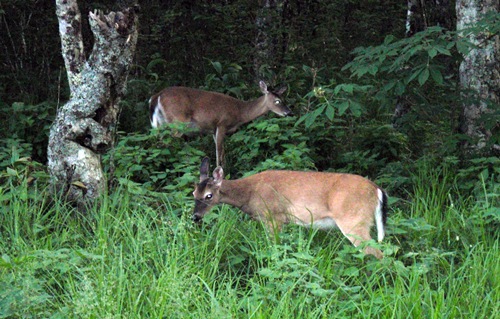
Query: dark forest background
x=369, y=95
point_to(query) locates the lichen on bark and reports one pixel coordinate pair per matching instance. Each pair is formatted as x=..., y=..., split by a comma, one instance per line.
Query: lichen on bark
x=479, y=73
x=84, y=126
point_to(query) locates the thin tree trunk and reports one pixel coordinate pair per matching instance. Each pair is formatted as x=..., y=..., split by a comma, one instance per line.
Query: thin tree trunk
x=84, y=126
x=269, y=38
x=415, y=21
x=479, y=74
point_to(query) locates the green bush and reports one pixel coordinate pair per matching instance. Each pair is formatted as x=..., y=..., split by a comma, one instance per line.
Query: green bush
x=27, y=125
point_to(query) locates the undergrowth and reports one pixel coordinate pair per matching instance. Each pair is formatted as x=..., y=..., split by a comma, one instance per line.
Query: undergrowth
x=140, y=256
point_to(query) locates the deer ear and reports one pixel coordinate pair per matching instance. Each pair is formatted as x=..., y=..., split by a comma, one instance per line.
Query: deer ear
x=205, y=164
x=218, y=176
x=281, y=90
x=263, y=87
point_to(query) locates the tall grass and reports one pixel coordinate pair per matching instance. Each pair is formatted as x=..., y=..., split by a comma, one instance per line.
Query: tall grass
x=131, y=257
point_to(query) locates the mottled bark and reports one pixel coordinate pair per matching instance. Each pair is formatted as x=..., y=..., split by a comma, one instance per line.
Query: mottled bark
x=479, y=73
x=70, y=31
x=84, y=126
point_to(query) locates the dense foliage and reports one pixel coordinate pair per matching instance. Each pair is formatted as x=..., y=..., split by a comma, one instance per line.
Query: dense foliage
x=136, y=254
x=139, y=255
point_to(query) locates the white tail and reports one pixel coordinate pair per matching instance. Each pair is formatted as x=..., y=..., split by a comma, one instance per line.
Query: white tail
x=211, y=112
x=380, y=214
x=313, y=199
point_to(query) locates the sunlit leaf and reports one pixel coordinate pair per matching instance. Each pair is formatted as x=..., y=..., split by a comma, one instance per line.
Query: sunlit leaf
x=79, y=184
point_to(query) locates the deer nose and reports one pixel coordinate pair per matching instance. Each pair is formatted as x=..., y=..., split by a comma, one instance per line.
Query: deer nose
x=196, y=218
x=288, y=113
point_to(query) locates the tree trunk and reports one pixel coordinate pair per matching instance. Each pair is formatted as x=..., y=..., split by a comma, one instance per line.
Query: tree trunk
x=269, y=38
x=415, y=21
x=84, y=126
x=479, y=74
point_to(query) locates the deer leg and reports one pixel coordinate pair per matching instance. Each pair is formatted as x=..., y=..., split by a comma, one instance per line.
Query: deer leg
x=216, y=149
x=273, y=228
x=357, y=234
x=219, y=145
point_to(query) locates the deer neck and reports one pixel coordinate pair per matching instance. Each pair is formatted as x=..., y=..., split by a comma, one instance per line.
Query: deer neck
x=235, y=193
x=253, y=109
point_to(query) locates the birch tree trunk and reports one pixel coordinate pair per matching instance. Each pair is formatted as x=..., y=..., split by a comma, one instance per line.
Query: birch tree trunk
x=479, y=74
x=84, y=126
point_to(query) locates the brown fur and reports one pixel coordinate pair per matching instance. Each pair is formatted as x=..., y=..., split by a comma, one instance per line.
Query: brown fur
x=212, y=112
x=280, y=197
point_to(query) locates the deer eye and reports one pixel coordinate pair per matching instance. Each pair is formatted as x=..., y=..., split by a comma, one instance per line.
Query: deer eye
x=208, y=196
x=277, y=101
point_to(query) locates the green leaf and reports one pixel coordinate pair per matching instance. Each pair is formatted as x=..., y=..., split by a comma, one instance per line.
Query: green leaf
x=400, y=88
x=388, y=39
x=492, y=212
x=217, y=66
x=303, y=255
x=432, y=52
x=269, y=273
x=313, y=115
x=422, y=78
x=373, y=69
x=135, y=168
x=348, y=88
x=462, y=48
x=352, y=272
x=356, y=108
x=330, y=112
x=443, y=51
x=337, y=89
x=388, y=86
x=273, y=128
x=11, y=172
x=342, y=107
x=236, y=66
x=436, y=76
x=5, y=261
x=361, y=71
x=412, y=77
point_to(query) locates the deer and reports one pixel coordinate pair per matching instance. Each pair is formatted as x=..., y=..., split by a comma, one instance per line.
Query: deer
x=322, y=200
x=212, y=112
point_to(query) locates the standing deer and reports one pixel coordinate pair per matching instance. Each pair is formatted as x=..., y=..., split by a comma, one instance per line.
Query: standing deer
x=312, y=199
x=212, y=112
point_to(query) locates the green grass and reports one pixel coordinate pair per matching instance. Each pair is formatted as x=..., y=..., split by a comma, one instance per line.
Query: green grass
x=132, y=257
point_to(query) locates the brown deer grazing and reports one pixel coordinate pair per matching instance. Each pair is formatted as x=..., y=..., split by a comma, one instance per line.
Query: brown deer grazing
x=212, y=112
x=321, y=200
